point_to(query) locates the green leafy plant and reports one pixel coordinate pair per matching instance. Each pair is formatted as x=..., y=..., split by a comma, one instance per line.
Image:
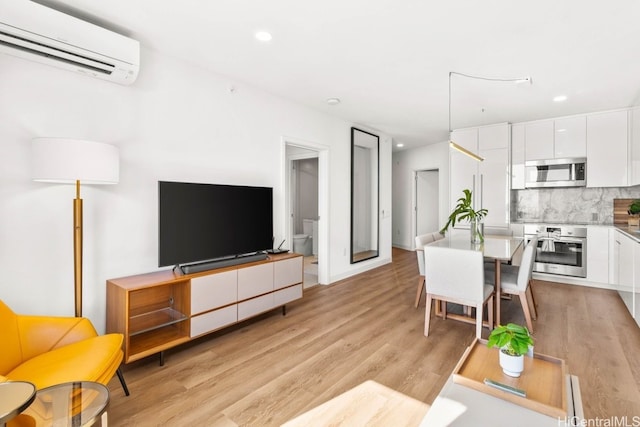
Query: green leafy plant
x=464, y=211
x=634, y=208
x=512, y=339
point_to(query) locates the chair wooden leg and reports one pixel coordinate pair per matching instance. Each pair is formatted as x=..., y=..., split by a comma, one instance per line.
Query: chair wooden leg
x=490, y=312
x=533, y=298
x=427, y=315
x=525, y=309
x=532, y=305
x=419, y=290
x=443, y=309
x=479, y=312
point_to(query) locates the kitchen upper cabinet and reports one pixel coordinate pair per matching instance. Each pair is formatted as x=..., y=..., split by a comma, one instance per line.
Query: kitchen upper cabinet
x=517, y=157
x=570, y=137
x=556, y=139
x=489, y=179
x=607, y=145
x=539, y=140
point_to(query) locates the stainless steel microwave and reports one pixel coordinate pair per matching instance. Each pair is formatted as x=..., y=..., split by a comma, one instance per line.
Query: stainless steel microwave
x=556, y=173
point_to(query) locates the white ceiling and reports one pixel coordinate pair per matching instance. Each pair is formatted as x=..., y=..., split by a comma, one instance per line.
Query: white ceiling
x=389, y=60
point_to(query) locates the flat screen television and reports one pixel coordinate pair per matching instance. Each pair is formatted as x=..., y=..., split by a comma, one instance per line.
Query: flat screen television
x=203, y=222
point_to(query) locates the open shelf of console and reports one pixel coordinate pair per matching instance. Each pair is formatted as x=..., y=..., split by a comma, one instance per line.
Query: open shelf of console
x=160, y=310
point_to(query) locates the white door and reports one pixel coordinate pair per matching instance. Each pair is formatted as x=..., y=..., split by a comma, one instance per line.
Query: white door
x=427, y=197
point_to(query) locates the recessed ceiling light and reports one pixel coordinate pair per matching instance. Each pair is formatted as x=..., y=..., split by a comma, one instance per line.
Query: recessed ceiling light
x=333, y=101
x=400, y=145
x=264, y=36
x=560, y=98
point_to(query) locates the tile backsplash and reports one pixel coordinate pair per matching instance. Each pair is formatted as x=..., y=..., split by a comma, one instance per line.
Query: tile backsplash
x=568, y=205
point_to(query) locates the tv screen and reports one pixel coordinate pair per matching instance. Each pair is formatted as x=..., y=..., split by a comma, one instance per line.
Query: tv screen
x=200, y=222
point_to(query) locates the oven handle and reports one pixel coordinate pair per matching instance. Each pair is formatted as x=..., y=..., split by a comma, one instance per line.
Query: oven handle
x=570, y=240
x=558, y=239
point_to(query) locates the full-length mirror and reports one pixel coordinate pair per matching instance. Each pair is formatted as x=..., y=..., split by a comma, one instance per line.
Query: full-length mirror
x=364, y=195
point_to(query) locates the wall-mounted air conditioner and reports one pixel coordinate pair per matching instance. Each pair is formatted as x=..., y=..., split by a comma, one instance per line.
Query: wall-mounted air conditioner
x=32, y=31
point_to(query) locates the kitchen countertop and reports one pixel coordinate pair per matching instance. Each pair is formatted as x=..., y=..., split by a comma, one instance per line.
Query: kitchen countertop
x=631, y=231
x=541, y=222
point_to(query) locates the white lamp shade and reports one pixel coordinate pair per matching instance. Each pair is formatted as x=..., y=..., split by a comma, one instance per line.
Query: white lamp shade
x=67, y=160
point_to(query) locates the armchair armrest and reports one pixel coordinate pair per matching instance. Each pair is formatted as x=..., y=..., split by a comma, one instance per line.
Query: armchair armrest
x=39, y=334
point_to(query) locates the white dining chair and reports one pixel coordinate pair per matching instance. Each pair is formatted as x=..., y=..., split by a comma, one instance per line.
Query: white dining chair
x=516, y=281
x=421, y=240
x=457, y=276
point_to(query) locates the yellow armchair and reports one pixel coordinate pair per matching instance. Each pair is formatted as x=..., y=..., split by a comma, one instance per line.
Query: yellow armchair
x=47, y=350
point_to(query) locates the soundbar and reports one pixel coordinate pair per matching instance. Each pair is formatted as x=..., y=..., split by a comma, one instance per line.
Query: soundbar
x=226, y=262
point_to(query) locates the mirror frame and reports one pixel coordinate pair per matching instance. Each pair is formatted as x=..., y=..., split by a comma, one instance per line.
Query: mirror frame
x=375, y=195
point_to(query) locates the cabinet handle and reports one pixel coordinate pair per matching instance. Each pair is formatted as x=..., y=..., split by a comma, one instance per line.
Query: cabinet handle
x=473, y=190
x=481, y=191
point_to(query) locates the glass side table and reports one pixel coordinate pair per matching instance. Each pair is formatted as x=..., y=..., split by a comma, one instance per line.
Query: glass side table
x=15, y=397
x=74, y=404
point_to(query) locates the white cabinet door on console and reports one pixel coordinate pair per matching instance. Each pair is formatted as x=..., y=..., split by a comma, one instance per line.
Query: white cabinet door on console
x=286, y=295
x=213, y=291
x=287, y=272
x=255, y=306
x=255, y=280
x=213, y=320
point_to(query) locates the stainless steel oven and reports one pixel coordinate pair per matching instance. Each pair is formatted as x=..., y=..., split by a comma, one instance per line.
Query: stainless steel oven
x=561, y=249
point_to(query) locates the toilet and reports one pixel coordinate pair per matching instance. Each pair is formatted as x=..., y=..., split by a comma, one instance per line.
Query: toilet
x=302, y=244
x=307, y=242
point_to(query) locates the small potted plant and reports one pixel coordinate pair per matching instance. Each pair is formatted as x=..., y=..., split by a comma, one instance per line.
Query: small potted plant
x=634, y=211
x=464, y=211
x=514, y=342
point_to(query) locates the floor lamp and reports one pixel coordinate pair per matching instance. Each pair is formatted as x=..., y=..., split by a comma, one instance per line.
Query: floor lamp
x=74, y=161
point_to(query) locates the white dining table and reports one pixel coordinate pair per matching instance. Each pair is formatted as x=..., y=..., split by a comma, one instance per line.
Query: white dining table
x=495, y=248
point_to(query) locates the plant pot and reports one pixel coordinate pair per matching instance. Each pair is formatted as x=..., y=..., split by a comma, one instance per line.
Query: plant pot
x=633, y=221
x=511, y=365
x=477, y=231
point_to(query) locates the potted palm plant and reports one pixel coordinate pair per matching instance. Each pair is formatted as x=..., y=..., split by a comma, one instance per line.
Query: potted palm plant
x=464, y=211
x=514, y=342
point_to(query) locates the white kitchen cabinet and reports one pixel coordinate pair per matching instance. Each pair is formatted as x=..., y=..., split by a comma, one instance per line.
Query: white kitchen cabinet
x=635, y=293
x=570, y=137
x=598, y=254
x=634, y=147
x=539, y=140
x=517, y=157
x=494, y=183
x=607, y=145
x=489, y=179
x=462, y=168
x=626, y=250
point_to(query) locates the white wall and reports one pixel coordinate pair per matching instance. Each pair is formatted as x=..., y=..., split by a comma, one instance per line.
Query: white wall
x=405, y=164
x=177, y=122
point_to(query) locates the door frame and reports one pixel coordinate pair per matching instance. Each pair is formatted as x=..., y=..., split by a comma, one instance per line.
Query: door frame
x=322, y=153
x=414, y=200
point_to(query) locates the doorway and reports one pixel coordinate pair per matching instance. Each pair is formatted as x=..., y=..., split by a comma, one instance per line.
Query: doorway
x=304, y=207
x=427, y=198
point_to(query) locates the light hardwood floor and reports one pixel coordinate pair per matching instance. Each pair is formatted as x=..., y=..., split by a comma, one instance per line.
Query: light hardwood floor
x=268, y=370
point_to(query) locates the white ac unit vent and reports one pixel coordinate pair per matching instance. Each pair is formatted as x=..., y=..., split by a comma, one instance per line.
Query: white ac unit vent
x=35, y=32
